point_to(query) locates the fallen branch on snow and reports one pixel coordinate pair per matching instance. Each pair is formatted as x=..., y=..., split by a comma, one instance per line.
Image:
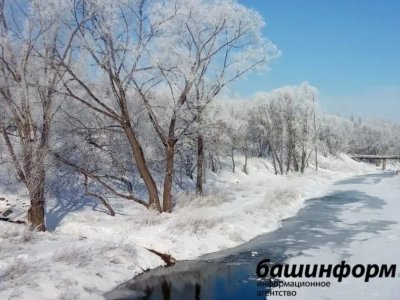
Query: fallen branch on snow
x=167, y=258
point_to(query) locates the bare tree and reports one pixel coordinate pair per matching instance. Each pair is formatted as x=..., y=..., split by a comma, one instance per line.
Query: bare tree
x=29, y=78
x=116, y=39
x=207, y=47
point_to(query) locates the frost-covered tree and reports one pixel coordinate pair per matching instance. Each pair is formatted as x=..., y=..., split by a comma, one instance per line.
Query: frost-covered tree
x=112, y=48
x=334, y=134
x=166, y=53
x=286, y=116
x=126, y=96
x=207, y=45
x=375, y=137
x=31, y=34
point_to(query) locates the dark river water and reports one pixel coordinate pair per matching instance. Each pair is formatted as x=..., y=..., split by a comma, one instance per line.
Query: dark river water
x=231, y=274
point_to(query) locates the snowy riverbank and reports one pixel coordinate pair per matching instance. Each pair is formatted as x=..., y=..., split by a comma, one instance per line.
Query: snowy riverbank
x=90, y=252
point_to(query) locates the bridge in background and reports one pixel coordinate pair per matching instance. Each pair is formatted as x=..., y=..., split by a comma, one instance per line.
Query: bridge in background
x=375, y=158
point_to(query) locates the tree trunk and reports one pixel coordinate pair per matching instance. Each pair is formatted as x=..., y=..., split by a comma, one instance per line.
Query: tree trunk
x=204, y=174
x=200, y=163
x=188, y=167
x=154, y=201
x=289, y=158
x=37, y=199
x=303, y=160
x=213, y=166
x=14, y=157
x=295, y=163
x=219, y=162
x=274, y=162
x=279, y=161
x=233, y=160
x=36, y=214
x=245, y=163
x=169, y=172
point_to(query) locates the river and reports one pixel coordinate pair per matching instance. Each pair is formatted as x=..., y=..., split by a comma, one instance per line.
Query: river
x=319, y=230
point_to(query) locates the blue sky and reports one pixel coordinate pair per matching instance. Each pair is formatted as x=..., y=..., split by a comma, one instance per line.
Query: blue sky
x=348, y=49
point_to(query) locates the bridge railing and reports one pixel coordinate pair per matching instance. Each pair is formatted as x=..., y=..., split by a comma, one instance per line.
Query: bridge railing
x=382, y=158
x=367, y=156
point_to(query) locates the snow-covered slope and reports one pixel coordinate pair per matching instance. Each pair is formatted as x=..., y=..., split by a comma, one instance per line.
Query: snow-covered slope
x=89, y=252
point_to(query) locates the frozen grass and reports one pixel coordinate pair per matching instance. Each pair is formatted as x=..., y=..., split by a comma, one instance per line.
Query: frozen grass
x=27, y=235
x=147, y=218
x=209, y=199
x=197, y=225
x=280, y=197
x=73, y=256
x=15, y=269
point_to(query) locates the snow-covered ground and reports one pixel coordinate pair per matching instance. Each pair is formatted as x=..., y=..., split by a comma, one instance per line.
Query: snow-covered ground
x=89, y=252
